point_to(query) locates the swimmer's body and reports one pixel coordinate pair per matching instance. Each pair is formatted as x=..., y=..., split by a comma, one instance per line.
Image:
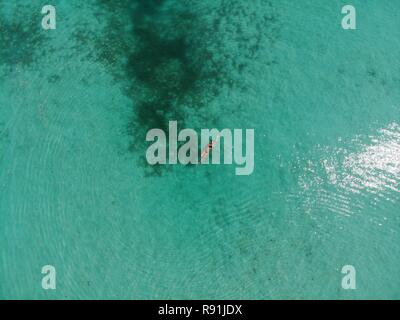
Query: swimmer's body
x=208, y=148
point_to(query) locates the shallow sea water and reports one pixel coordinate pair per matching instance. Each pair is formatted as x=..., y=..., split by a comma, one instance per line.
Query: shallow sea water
x=76, y=193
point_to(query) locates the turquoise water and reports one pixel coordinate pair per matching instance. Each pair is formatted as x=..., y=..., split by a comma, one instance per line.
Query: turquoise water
x=76, y=193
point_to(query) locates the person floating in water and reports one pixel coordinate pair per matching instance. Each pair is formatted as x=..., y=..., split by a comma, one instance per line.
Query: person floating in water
x=208, y=148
